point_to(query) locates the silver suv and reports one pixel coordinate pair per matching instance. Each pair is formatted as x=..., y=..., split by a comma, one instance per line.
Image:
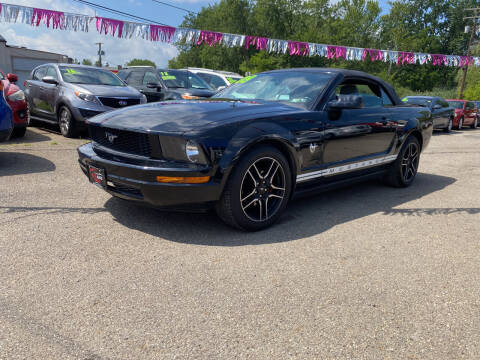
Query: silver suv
x=68, y=94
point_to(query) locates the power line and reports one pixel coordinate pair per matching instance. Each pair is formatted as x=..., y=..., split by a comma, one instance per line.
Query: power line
x=175, y=7
x=118, y=12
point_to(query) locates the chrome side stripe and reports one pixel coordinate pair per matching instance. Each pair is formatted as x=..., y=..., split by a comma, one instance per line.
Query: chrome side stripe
x=345, y=168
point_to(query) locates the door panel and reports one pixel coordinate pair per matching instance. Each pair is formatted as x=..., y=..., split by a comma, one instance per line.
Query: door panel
x=358, y=133
x=34, y=90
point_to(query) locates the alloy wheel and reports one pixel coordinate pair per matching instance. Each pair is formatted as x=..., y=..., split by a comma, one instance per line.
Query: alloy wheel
x=450, y=124
x=64, y=121
x=460, y=124
x=263, y=189
x=410, y=160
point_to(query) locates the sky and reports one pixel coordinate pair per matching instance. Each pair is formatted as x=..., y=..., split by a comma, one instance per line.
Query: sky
x=117, y=51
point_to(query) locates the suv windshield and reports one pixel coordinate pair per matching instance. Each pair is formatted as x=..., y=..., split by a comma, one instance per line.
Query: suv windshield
x=89, y=76
x=456, y=104
x=417, y=101
x=183, y=79
x=290, y=86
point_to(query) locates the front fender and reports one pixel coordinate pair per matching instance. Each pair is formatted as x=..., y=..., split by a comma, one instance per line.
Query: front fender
x=252, y=135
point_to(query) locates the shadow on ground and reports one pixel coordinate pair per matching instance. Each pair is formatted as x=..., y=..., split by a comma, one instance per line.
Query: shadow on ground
x=12, y=163
x=29, y=138
x=303, y=218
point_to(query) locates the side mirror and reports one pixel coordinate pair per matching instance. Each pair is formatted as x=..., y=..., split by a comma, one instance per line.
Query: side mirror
x=50, y=80
x=221, y=88
x=13, y=78
x=152, y=85
x=346, y=102
x=437, y=106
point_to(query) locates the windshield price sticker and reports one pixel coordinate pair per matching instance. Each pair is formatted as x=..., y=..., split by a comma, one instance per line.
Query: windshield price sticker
x=245, y=79
x=72, y=71
x=165, y=76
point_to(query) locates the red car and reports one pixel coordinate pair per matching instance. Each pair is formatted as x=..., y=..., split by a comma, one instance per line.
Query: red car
x=465, y=113
x=16, y=99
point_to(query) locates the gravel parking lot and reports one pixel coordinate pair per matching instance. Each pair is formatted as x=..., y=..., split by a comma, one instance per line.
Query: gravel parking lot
x=367, y=272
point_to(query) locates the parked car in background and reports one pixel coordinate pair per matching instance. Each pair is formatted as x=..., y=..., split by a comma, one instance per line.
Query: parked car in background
x=465, y=113
x=68, y=95
x=215, y=78
x=159, y=84
x=6, y=118
x=442, y=113
x=16, y=99
x=253, y=145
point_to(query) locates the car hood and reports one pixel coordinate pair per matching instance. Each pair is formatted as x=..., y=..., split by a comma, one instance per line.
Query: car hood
x=184, y=116
x=106, y=90
x=193, y=92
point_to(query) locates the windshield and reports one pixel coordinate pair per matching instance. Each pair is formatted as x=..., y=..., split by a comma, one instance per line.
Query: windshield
x=417, y=101
x=183, y=79
x=456, y=104
x=301, y=87
x=89, y=76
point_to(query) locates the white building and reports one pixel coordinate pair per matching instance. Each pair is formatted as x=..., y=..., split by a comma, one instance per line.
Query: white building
x=21, y=61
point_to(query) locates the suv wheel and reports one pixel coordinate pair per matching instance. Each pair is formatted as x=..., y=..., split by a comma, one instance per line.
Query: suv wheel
x=404, y=170
x=257, y=191
x=66, y=122
x=475, y=123
x=460, y=124
x=449, y=126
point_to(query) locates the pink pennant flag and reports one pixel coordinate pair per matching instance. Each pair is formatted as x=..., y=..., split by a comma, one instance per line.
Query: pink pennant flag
x=57, y=18
x=374, y=54
x=209, y=37
x=336, y=52
x=438, y=59
x=260, y=43
x=161, y=33
x=109, y=26
x=405, y=58
x=298, y=48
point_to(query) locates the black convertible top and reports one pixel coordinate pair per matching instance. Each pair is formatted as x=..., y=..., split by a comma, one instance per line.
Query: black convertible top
x=351, y=74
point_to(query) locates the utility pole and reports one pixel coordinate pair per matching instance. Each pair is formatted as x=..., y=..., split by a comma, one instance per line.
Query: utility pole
x=100, y=53
x=474, y=29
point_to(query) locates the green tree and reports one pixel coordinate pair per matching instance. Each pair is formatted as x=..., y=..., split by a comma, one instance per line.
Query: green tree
x=86, y=62
x=141, y=62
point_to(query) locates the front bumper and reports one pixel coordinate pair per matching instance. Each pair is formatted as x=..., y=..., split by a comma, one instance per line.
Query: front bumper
x=20, y=113
x=138, y=183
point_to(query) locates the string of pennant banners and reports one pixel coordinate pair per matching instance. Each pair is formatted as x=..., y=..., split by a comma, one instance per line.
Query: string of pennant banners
x=125, y=29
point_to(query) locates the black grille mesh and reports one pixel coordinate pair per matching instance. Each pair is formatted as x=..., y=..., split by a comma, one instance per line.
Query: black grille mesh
x=118, y=103
x=122, y=140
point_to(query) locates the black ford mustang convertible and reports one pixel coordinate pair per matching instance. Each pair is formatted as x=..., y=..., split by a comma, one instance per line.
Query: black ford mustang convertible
x=248, y=150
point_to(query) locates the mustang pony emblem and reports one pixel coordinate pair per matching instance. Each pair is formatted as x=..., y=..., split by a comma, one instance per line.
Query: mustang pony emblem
x=122, y=103
x=313, y=147
x=110, y=137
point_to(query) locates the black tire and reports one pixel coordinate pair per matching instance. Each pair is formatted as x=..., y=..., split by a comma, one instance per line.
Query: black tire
x=254, y=200
x=460, y=124
x=475, y=124
x=403, y=171
x=66, y=122
x=449, y=126
x=19, y=132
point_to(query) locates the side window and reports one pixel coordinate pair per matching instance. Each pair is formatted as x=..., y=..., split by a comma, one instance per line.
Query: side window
x=51, y=71
x=212, y=80
x=469, y=106
x=443, y=103
x=122, y=74
x=386, y=99
x=135, y=78
x=39, y=74
x=370, y=97
x=150, y=77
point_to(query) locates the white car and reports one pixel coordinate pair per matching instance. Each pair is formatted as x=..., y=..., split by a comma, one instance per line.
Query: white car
x=216, y=79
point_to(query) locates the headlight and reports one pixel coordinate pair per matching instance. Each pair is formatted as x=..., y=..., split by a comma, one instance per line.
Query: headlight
x=188, y=96
x=192, y=150
x=143, y=99
x=86, y=97
x=178, y=149
x=17, y=96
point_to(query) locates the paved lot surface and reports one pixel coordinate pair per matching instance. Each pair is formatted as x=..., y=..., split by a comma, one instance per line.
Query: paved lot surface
x=367, y=272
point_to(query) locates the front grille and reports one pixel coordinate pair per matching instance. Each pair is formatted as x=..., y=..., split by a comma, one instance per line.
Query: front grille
x=118, y=102
x=121, y=140
x=126, y=190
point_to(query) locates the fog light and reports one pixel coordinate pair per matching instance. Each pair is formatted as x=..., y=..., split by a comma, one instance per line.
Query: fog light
x=183, y=180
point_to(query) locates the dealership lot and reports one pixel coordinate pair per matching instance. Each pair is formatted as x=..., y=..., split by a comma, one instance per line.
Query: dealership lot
x=363, y=272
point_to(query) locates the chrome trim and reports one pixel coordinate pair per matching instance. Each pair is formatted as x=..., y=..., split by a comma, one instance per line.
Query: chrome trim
x=346, y=168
